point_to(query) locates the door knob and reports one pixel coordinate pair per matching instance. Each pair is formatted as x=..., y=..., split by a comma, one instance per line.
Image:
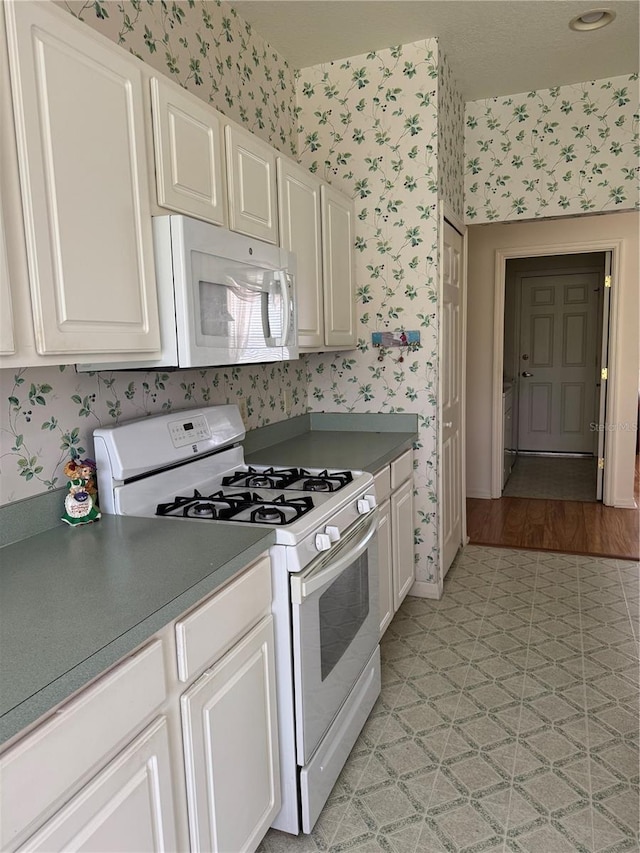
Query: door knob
x=526, y=374
x=448, y=424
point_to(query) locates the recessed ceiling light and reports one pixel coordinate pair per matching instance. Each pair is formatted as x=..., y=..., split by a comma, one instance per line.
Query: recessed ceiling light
x=592, y=20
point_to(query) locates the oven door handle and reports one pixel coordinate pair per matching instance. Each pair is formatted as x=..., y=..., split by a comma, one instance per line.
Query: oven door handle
x=307, y=583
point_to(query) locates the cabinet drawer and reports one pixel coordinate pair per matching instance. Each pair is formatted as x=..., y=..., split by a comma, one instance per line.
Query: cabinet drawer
x=65, y=749
x=382, y=483
x=213, y=627
x=401, y=469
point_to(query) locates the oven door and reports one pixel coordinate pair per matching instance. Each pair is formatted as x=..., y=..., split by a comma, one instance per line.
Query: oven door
x=336, y=625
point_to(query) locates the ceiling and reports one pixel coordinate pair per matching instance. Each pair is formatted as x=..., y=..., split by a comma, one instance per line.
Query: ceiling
x=494, y=47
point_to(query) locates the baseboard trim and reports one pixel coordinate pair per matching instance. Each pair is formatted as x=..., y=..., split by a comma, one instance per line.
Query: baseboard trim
x=472, y=493
x=425, y=589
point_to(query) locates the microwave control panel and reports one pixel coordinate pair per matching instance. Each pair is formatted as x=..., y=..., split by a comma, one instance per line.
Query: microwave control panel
x=189, y=431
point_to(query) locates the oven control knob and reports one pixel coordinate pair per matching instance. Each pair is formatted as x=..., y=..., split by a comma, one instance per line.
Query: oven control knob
x=332, y=532
x=372, y=500
x=363, y=506
x=323, y=542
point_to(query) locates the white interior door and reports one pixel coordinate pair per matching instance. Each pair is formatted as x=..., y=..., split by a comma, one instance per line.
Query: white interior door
x=558, y=361
x=451, y=395
x=604, y=363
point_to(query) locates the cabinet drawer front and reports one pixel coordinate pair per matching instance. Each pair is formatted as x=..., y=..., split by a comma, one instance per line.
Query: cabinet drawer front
x=401, y=469
x=65, y=749
x=128, y=806
x=207, y=632
x=382, y=482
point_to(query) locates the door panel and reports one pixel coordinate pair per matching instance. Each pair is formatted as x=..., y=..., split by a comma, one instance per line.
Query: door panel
x=451, y=499
x=558, y=362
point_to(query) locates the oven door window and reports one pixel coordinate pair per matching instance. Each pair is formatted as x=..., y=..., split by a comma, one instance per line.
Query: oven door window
x=335, y=627
x=342, y=609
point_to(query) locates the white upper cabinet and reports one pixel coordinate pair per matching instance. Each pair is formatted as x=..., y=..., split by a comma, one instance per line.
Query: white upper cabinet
x=189, y=153
x=251, y=181
x=300, y=232
x=79, y=113
x=338, y=237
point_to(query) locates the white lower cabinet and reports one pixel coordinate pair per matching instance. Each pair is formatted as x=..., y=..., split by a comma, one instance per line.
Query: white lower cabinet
x=175, y=747
x=128, y=807
x=385, y=564
x=231, y=747
x=403, y=549
x=394, y=491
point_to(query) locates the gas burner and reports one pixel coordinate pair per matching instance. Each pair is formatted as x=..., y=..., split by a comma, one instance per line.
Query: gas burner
x=268, y=478
x=281, y=510
x=324, y=481
x=218, y=505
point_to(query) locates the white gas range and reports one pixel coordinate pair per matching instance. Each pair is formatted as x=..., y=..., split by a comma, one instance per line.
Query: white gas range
x=189, y=466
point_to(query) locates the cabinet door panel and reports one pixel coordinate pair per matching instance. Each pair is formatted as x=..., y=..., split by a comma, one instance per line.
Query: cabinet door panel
x=385, y=566
x=127, y=808
x=187, y=138
x=7, y=337
x=338, y=237
x=403, y=548
x=78, y=106
x=251, y=179
x=231, y=747
x=299, y=217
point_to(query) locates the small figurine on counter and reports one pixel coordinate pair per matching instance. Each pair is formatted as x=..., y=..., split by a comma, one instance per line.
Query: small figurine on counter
x=80, y=505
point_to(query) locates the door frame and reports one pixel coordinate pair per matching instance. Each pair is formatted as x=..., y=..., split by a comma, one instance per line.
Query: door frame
x=447, y=213
x=500, y=269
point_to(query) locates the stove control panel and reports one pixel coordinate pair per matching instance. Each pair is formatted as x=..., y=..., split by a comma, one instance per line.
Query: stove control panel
x=189, y=430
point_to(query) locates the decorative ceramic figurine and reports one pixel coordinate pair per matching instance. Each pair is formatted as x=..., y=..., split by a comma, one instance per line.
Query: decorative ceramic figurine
x=80, y=505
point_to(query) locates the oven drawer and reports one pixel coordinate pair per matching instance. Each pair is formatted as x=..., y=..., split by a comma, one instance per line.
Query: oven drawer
x=213, y=627
x=401, y=469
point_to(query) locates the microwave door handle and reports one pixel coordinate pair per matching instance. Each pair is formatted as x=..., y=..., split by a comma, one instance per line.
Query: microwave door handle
x=281, y=277
x=305, y=584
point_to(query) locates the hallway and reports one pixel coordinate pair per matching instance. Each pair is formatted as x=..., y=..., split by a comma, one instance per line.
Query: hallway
x=573, y=527
x=508, y=719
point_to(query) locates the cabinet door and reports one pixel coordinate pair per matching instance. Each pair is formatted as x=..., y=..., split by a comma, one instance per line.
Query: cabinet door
x=230, y=738
x=338, y=237
x=7, y=337
x=385, y=567
x=127, y=808
x=78, y=104
x=188, y=146
x=251, y=179
x=299, y=218
x=403, y=548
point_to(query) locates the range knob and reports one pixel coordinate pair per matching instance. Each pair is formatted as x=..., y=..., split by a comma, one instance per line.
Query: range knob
x=323, y=542
x=363, y=506
x=332, y=532
x=371, y=500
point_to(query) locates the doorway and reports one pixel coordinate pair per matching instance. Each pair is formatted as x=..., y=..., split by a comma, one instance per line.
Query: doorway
x=554, y=349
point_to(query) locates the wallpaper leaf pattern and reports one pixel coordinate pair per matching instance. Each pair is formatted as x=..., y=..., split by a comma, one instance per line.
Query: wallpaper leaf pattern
x=50, y=413
x=450, y=139
x=207, y=48
x=562, y=151
x=369, y=126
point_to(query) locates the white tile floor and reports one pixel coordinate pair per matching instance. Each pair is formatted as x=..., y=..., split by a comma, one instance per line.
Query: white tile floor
x=508, y=719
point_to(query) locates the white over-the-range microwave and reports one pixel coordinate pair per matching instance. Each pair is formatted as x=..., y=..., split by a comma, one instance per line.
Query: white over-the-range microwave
x=223, y=298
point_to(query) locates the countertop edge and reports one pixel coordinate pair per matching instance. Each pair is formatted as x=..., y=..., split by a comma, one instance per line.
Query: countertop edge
x=16, y=722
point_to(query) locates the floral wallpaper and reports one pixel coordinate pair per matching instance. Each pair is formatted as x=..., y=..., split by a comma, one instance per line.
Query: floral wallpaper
x=49, y=414
x=369, y=126
x=450, y=138
x=562, y=151
x=206, y=47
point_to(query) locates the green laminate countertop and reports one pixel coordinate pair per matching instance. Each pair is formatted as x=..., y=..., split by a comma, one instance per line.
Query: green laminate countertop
x=74, y=601
x=322, y=440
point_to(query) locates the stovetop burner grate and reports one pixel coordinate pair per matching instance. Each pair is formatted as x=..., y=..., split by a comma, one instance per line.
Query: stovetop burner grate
x=241, y=506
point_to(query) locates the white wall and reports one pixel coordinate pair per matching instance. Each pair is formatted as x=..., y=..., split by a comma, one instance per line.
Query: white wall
x=581, y=232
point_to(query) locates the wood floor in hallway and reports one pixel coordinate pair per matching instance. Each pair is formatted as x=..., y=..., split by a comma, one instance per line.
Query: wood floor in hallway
x=573, y=527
